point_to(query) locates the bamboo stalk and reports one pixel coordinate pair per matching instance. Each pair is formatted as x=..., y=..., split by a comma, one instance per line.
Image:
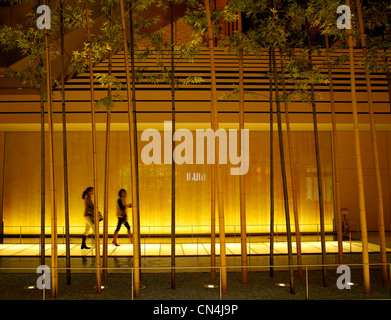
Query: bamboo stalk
x=215, y=125
x=134, y=113
x=43, y=173
x=172, y=148
x=388, y=76
x=213, y=192
x=213, y=217
x=54, y=271
x=130, y=97
x=243, y=235
x=389, y=84
x=134, y=125
x=107, y=169
x=283, y=171
x=271, y=256
x=106, y=182
x=337, y=198
x=318, y=167
x=380, y=213
x=363, y=219
x=65, y=153
x=213, y=223
x=94, y=162
x=43, y=231
x=292, y=169
x=2, y=194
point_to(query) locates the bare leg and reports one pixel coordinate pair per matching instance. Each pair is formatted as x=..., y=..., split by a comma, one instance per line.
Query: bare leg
x=115, y=239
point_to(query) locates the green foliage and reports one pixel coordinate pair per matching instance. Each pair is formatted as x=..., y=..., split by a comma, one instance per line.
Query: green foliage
x=161, y=50
x=74, y=17
x=279, y=24
x=107, y=41
x=31, y=44
x=247, y=42
x=196, y=19
x=233, y=94
x=282, y=26
x=109, y=81
x=377, y=26
x=80, y=59
x=300, y=73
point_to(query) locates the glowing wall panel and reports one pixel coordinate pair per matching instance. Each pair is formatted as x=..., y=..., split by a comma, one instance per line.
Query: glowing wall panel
x=22, y=185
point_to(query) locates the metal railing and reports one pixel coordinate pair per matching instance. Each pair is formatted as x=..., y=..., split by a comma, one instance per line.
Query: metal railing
x=188, y=230
x=196, y=238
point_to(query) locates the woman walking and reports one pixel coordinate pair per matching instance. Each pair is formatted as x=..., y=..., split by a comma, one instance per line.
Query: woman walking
x=122, y=216
x=88, y=215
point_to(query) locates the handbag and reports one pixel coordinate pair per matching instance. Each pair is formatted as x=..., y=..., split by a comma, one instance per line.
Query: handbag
x=99, y=215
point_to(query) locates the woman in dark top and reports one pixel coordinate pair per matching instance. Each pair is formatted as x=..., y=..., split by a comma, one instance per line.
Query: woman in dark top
x=122, y=216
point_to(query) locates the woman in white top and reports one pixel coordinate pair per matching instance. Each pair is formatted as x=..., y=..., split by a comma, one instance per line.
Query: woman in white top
x=122, y=216
x=88, y=215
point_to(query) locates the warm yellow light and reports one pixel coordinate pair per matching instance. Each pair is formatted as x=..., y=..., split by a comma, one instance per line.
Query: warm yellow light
x=30, y=287
x=102, y=287
x=282, y=284
x=211, y=286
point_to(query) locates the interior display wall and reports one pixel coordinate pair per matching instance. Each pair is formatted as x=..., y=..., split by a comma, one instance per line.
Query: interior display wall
x=348, y=178
x=21, y=205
